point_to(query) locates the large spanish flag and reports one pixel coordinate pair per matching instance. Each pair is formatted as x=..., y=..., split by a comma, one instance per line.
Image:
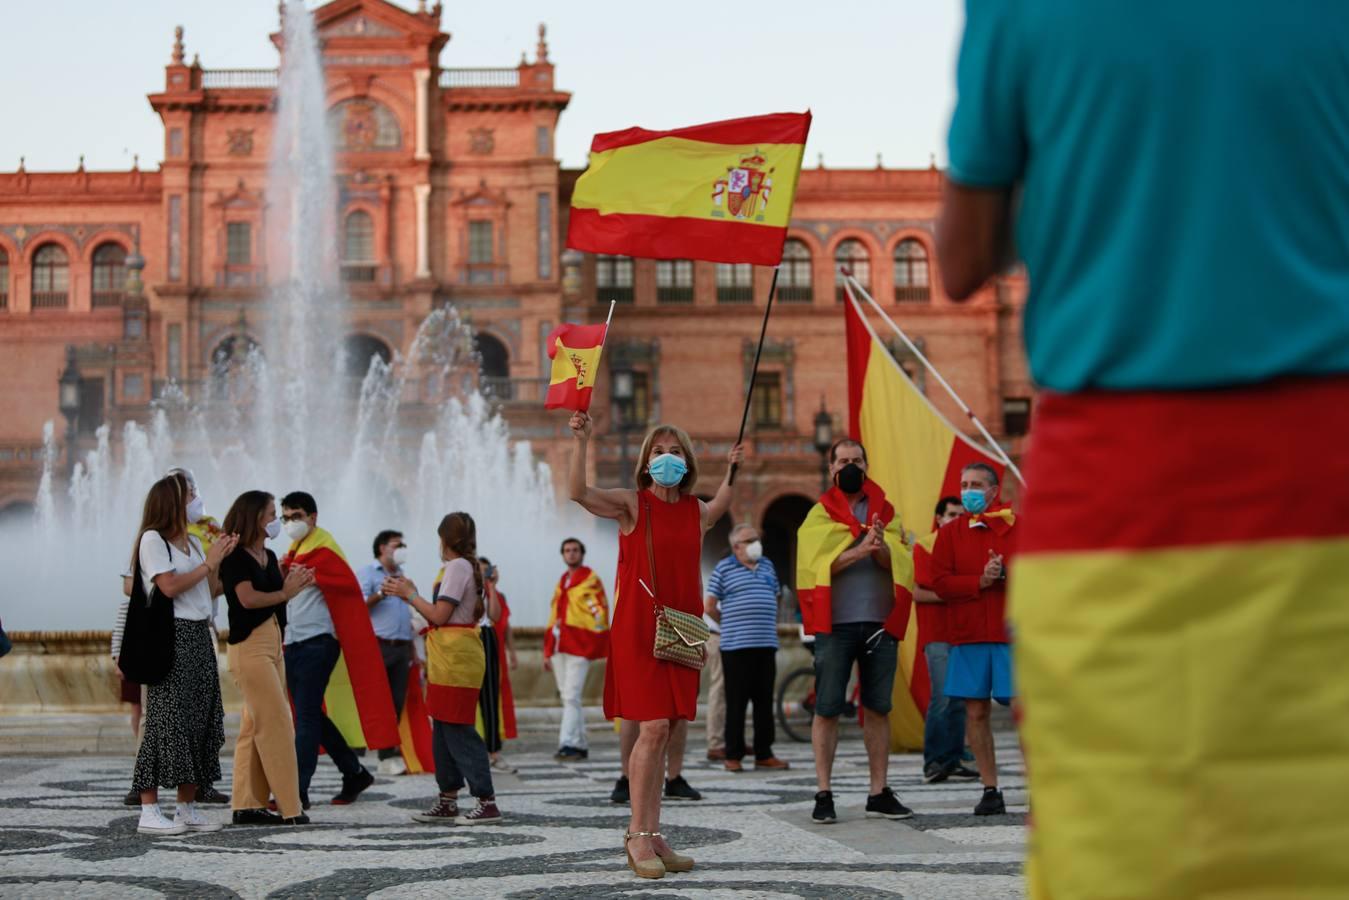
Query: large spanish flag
x=1181, y=613
x=720, y=192
x=915, y=455
x=575, y=351
x=358, y=698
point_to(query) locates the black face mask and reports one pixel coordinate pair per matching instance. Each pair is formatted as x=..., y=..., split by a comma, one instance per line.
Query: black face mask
x=850, y=478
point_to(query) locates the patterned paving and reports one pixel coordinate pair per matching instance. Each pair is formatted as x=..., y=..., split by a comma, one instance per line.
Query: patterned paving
x=64, y=833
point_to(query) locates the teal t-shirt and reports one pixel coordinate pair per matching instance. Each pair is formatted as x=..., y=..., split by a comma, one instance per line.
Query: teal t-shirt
x=1183, y=175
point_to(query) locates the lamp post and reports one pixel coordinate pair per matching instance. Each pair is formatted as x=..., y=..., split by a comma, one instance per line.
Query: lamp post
x=69, y=401
x=622, y=393
x=824, y=439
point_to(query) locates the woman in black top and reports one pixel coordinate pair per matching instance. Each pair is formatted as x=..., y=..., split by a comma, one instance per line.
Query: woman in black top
x=256, y=593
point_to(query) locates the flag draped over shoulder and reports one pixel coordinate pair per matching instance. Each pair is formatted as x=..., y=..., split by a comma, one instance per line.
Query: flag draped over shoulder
x=720, y=192
x=578, y=617
x=358, y=698
x=575, y=352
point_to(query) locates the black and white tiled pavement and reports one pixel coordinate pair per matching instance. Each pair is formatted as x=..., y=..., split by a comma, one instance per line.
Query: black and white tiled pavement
x=64, y=833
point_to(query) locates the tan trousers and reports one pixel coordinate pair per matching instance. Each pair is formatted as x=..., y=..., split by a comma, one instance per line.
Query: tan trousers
x=716, y=695
x=264, y=755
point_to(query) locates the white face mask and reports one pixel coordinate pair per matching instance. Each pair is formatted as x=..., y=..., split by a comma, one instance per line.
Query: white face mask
x=196, y=509
x=297, y=529
x=400, y=556
x=273, y=529
x=754, y=550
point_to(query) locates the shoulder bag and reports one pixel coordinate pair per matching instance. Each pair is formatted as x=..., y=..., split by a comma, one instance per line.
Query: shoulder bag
x=147, y=640
x=680, y=637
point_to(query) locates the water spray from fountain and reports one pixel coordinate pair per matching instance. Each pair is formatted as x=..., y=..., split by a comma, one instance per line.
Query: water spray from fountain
x=283, y=415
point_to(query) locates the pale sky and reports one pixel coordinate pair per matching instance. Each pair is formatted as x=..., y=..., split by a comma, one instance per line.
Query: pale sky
x=878, y=74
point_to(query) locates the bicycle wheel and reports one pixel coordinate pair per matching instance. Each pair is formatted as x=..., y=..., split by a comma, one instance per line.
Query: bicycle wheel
x=796, y=704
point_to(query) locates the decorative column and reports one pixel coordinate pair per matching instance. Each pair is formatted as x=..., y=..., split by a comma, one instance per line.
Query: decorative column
x=423, y=193
x=423, y=80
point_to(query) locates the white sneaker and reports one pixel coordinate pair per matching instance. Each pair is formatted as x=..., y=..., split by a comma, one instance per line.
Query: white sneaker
x=394, y=765
x=191, y=820
x=153, y=822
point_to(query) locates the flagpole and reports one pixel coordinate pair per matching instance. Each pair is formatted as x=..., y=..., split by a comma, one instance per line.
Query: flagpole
x=994, y=445
x=754, y=373
x=607, y=320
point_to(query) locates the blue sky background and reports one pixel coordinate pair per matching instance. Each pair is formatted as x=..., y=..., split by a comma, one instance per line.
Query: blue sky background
x=878, y=75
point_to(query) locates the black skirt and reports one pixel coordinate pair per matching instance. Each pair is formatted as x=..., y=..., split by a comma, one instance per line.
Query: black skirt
x=184, y=722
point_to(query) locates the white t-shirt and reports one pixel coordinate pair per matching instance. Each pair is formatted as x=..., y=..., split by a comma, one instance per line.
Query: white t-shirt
x=156, y=558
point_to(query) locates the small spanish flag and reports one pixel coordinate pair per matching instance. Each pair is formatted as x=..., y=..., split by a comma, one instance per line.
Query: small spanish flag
x=575, y=352
x=720, y=192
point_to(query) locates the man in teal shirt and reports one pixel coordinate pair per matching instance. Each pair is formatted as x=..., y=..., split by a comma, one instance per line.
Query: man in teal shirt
x=1176, y=178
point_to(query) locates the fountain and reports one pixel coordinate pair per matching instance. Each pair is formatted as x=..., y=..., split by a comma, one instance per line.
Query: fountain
x=282, y=417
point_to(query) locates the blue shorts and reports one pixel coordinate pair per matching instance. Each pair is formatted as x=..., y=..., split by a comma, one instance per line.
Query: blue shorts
x=980, y=672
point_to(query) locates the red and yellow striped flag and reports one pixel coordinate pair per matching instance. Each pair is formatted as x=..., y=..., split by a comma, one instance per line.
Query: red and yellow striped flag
x=915, y=455
x=575, y=351
x=720, y=192
x=1181, y=627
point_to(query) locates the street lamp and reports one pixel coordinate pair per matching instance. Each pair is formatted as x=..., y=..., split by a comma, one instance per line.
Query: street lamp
x=824, y=439
x=69, y=401
x=622, y=393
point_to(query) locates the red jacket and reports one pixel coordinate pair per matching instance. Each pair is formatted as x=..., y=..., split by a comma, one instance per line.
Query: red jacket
x=976, y=615
x=933, y=618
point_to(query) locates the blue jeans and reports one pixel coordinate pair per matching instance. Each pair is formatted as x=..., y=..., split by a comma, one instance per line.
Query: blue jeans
x=944, y=729
x=309, y=664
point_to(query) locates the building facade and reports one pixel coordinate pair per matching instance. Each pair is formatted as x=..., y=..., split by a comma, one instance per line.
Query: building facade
x=450, y=194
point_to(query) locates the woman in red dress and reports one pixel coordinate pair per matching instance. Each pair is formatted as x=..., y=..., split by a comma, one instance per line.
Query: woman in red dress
x=637, y=686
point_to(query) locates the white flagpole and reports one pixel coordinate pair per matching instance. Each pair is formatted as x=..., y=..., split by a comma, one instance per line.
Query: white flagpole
x=856, y=285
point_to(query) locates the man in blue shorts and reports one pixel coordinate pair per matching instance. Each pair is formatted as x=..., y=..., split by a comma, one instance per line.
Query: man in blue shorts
x=969, y=572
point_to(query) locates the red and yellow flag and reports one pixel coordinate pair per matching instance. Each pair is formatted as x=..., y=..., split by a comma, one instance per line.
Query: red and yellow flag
x=915, y=455
x=455, y=666
x=578, y=617
x=720, y=192
x=358, y=699
x=575, y=351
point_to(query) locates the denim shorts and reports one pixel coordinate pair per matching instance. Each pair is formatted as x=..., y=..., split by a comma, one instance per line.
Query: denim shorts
x=835, y=654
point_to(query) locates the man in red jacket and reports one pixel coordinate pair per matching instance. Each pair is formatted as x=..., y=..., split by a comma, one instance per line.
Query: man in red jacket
x=969, y=571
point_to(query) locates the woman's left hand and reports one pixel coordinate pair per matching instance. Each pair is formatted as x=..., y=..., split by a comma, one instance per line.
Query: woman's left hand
x=737, y=454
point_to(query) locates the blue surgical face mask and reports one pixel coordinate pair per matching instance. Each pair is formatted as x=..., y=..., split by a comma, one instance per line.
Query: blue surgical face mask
x=667, y=470
x=974, y=502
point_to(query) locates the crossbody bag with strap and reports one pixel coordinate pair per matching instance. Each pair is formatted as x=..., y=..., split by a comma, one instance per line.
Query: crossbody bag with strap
x=680, y=637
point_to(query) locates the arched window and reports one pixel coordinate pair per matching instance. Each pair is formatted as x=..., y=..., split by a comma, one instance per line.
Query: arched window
x=109, y=275
x=51, y=277
x=495, y=362
x=358, y=350
x=613, y=278
x=4, y=279
x=796, y=281
x=360, y=125
x=911, y=273
x=358, y=247
x=853, y=254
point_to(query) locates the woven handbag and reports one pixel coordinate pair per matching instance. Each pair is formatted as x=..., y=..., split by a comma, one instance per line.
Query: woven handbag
x=680, y=637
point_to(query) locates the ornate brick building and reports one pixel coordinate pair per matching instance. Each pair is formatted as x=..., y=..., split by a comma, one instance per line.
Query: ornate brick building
x=450, y=193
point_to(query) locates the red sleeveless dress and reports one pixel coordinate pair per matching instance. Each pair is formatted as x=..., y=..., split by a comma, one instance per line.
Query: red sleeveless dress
x=638, y=686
